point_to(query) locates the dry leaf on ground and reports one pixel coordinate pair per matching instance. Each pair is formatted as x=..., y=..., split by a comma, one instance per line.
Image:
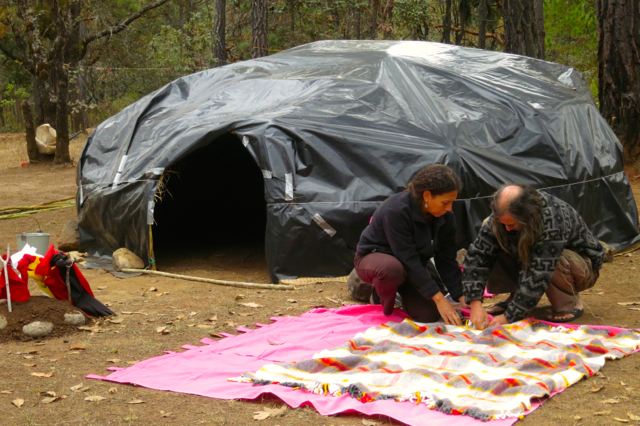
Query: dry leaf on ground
x=366, y=422
x=76, y=388
x=50, y=399
x=116, y=320
x=269, y=412
x=94, y=398
x=610, y=401
x=132, y=362
x=213, y=318
x=26, y=364
x=153, y=289
x=113, y=390
x=621, y=420
x=633, y=417
x=77, y=347
x=628, y=303
x=136, y=401
x=18, y=402
x=6, y=391
x=49, y=374
x=602, y=413
x=113, y=360
x=595, y=388
x=162, y=330
x=251, y=305
x=163, y=414
x=577, y=417
x=271, y=342
x=292, y=301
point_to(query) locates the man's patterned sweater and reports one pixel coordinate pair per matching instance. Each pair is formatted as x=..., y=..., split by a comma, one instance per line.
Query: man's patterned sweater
x=563, y=229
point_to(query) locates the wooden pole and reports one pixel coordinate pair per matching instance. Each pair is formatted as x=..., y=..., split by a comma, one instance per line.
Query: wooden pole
x=6, y=277
x=210, y=280
x=152, y=256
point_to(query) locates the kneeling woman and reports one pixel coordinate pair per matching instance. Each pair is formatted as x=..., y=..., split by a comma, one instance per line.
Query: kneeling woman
x=406, y=232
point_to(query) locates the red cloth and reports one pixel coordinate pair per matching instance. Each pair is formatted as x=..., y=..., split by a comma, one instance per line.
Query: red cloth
x=56, y=279
x=18, y=285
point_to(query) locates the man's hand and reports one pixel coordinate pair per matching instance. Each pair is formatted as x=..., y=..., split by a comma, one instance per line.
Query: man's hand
x=479, y=317
x=446, y=310
x=499, y=320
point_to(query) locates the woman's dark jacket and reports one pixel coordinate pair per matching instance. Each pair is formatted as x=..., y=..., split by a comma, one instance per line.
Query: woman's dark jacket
x=399, y=229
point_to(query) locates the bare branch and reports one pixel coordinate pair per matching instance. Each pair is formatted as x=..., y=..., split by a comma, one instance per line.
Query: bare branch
x=124, y=23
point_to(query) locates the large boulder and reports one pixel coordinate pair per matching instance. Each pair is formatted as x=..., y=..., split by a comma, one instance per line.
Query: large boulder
x=357, y=288
x=126, y=259
x=69, y=239
x=38, y=329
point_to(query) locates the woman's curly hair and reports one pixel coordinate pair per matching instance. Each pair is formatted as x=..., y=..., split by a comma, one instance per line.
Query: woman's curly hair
x=436, y=178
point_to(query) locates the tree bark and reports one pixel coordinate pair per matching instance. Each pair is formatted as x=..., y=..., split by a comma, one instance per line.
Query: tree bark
x=259, y=29
x=387, y=14
x=618, y=27
x=30, y=130
x=446, y=23
x=520, y=32
x=373, y=29
x=539, y=13
x=482, y=19
x=219, y=34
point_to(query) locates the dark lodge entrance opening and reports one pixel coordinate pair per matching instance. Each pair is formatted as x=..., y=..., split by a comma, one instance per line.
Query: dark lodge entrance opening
x=212, y=215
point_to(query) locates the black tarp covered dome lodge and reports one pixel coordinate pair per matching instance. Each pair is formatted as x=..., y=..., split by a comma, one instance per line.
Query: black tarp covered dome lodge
x=335, y=127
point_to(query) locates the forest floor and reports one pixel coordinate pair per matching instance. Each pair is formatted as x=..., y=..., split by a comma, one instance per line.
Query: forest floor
x=188, y=304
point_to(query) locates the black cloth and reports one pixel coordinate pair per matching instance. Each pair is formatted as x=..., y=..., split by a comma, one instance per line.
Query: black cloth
x=399, y=229
x=563, y=229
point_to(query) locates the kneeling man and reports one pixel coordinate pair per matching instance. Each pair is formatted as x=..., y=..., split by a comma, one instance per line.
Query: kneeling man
x=532, y=243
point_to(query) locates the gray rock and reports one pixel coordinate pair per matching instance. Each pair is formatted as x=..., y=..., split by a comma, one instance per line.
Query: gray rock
x=124, y=258
x=3, y=322
x=38, y=329
x=357, y=288
x=69, y=238
x=74, y=318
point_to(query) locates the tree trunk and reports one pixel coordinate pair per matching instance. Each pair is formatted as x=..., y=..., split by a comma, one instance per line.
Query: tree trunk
x=618, y=28
x=520, y=32
x=482, y=19
x=62, y=117
x=219, y=34
x=30, y=130
x=357, y=22
x=446, y=23
x=259, y=29
x=387, y=14
x=539, y=13
x=373, y=30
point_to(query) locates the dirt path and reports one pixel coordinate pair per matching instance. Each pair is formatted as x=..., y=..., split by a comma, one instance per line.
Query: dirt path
x=136, y=339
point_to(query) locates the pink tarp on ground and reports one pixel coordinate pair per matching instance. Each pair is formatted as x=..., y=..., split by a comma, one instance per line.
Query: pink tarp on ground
x=204, y=370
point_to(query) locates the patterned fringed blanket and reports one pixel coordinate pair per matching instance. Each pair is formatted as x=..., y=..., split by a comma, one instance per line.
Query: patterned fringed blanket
x=489, y=374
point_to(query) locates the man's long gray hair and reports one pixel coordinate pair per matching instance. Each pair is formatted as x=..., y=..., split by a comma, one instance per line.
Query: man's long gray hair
x=526, y=209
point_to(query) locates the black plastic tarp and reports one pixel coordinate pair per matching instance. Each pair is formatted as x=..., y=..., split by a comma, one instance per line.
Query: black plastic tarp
x=338, y=126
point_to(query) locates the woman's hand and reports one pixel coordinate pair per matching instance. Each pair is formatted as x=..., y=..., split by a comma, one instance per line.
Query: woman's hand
x=463, y=303
x=446, y=310
x=479, y=317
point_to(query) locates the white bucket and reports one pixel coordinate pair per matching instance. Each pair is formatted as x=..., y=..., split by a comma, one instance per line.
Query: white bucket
x=39, y=240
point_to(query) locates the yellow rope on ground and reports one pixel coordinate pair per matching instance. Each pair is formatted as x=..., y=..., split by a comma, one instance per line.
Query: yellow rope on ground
x=313, y=280
x=210, y=280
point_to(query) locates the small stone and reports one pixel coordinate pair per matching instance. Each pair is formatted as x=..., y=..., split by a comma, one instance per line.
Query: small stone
x=126, y=259
x=69, y=237
x=38, y=329
x=74, y=318
x=3, y=322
